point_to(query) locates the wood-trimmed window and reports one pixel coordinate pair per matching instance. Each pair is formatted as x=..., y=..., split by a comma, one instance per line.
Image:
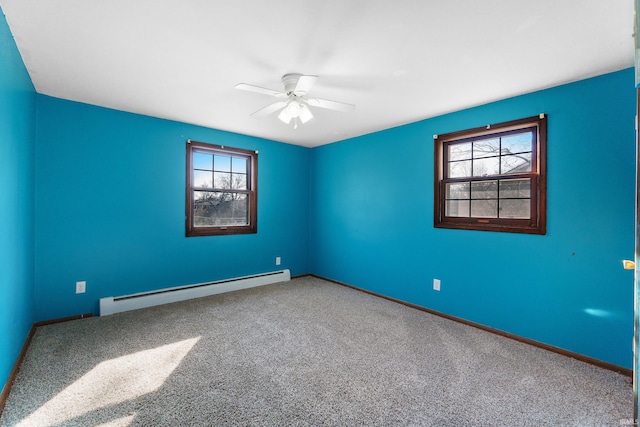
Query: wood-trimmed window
x=493, y=178
x=221, y=189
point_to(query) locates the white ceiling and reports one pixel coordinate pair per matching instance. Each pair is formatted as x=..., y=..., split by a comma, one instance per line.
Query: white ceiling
x=398, y=61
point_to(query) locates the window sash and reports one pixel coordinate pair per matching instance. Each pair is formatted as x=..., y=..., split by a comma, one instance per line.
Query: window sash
x=530, y=221
x=231, y=208
x=532, y=190
x=499, y=155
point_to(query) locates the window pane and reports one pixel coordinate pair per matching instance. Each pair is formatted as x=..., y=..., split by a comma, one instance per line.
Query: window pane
x=515, y=188
x=518, y=143
x=222, y=180
x=515, y=208
x=202, y=179
x=205, y=203
x=484, y=190
x=202, y=161
x=238, y=181
x=486, y=167
x=459, y=208
x=460, y=151
x=222, y=163
x=484, y=208
x=460, y=169
x=216, y=208
x=486, y=148
x=202, y=198
x=239, y=165
x=238, y=210
x=457, y=190
x=516, y=163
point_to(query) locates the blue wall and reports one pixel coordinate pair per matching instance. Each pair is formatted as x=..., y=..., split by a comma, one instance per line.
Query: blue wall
x=110, y=208
x=372, y=223
x=17, y=126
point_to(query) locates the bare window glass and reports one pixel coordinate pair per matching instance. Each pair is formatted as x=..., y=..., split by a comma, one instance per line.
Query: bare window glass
x=484, y=190
x=461, y=168
x=515, y=163
x=460, y=151
x=517, y=143
x=239, y=165
x=515, y=188
x=203, y=161
x=484, y=208
x=458, y=208
x=202, y=179
x=458, y=190
x=486, y=148
x=515, y=208
x=486, y=167
x=222, y=163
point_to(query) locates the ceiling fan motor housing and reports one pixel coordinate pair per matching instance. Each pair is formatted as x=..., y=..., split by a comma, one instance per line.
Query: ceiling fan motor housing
x=290, y=81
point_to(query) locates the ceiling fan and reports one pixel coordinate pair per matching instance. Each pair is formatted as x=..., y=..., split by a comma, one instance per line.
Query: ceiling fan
x=293, y=101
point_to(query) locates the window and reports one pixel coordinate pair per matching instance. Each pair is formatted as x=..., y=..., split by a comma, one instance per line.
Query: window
x=221, y=190
x=492, y=178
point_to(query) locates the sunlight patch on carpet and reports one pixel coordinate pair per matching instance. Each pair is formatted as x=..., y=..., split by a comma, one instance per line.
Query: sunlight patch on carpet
x=120, y=422
x=112, y=382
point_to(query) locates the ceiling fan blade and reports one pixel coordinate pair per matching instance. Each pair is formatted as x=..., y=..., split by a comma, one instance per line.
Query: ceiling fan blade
x=331, y=105
x=305, y=83
x=271, y=108
x=259, y=89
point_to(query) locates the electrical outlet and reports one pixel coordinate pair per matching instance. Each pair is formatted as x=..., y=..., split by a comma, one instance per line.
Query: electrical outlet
x=81, y=287
x=278, y=260
x=436, y=284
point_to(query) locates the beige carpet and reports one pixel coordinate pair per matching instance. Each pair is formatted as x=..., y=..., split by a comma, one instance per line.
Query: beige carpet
x=305, y=352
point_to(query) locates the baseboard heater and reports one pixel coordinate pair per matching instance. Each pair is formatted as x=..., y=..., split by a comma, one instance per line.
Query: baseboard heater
x=111, y=305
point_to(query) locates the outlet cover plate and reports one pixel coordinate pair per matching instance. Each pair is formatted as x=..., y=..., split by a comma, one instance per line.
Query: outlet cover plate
x=81, y=287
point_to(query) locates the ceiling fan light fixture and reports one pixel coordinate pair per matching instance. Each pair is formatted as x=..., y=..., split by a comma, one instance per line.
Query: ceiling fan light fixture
x=305, y=114
x=293, y=109
x=284, y=116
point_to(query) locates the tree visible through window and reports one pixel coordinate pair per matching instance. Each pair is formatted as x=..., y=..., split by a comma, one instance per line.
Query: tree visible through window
x=221, y=190
x=492, y=178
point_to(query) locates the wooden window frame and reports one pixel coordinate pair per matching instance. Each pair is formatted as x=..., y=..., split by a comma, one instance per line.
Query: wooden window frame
x=537, y=223
x=251, y=191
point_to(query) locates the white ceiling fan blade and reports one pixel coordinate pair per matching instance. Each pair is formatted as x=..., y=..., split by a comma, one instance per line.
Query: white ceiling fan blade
x=259, y=89
x=331, y=105
x=304, y=85
x=272, y=108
